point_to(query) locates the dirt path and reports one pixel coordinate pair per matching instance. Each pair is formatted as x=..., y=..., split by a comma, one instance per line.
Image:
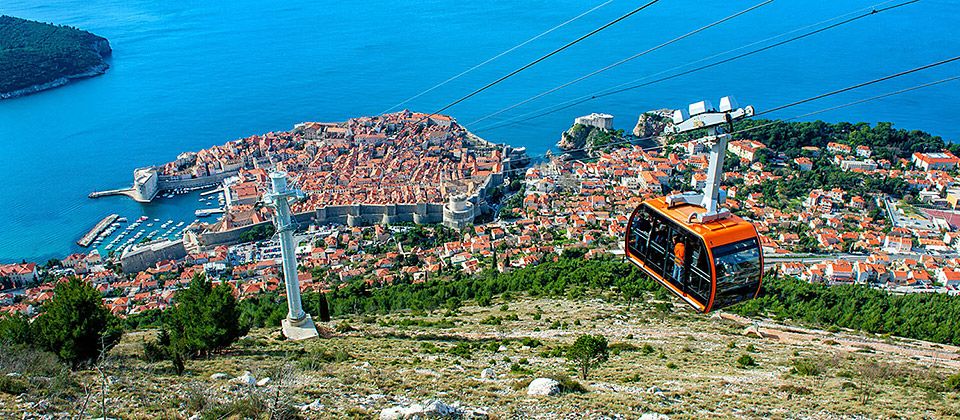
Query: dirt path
x=918, y=350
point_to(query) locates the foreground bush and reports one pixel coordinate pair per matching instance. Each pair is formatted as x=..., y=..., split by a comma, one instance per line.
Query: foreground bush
x=205, y=319
x=74, y=324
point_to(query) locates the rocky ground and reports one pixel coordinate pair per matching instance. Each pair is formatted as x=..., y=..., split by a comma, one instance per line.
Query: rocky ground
x=480, y=362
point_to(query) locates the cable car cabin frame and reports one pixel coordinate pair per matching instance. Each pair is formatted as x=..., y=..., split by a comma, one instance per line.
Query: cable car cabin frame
x=723, y=262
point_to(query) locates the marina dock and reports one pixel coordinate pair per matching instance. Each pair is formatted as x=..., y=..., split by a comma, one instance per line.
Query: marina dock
x=208, y=212
x=91, y=236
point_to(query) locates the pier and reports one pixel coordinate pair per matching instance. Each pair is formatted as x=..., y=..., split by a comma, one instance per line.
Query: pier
x=91, y=236
x=208, y=212
x=129, y=192
x=213, y=191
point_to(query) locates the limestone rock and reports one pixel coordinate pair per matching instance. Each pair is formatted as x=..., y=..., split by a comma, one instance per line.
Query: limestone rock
x=654, y=416
x=429, y=409
x=543, y=386
x=314, y=406
x=246, y=379
x=488, y=374
x=392, y=413
x=263, y=382
x=219, y=376
x=426, y=372
x=653, y=123
x=437, y=408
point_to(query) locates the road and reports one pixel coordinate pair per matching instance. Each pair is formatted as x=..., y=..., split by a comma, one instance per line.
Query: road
x=772, y=260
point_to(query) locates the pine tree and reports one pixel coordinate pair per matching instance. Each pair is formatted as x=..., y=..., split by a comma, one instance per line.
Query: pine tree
x=204, y=319
x=588, y=352
x=75, y=325
x=324, y=308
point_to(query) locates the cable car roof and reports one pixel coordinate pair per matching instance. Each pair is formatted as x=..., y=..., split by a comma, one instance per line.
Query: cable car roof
x=718, y=232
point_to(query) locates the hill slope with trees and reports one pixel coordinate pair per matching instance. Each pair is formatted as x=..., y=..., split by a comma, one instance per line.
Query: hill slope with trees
x=36, y=56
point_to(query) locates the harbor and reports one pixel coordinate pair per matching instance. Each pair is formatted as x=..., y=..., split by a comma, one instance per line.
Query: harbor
x=164, y=219
x=94, y=233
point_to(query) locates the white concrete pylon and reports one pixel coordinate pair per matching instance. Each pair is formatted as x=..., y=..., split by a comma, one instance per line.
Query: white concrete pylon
x=297, y=325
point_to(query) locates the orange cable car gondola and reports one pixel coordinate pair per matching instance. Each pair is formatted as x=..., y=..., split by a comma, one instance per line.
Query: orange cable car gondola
x=710, y=258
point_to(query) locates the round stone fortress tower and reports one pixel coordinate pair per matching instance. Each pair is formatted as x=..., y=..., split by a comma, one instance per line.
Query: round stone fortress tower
x=458, y=212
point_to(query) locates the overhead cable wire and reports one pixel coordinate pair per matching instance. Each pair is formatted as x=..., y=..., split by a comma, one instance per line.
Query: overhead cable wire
x=795, y=103
x=756, y=127
x=544, y=57
x=491, y=59
x=859, y=85
x=522, y=117
x=623, y=61
x=872, y=12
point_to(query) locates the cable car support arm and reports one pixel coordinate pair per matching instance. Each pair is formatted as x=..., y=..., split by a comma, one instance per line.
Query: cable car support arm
x=718, y=123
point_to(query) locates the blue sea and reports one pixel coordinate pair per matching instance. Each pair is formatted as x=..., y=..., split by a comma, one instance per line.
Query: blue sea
x=189, y=74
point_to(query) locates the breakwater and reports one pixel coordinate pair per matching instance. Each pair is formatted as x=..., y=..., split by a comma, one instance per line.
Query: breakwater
x=91, y=235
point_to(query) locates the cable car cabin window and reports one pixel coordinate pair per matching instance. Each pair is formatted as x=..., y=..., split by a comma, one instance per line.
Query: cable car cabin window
x=738, y=272
x=640, y=232
x=654, y=239
x=698, y=274
x=648, y=239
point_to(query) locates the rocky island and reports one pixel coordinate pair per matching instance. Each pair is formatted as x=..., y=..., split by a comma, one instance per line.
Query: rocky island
x=36, y=56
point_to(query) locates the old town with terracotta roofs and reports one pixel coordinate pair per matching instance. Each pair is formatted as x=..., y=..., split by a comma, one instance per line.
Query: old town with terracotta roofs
x=529, y=215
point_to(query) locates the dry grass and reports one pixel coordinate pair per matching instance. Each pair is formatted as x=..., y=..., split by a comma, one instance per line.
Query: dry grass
x=679, y=364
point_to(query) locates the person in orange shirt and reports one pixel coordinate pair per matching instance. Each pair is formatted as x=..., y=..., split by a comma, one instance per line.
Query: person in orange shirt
x=679, y=252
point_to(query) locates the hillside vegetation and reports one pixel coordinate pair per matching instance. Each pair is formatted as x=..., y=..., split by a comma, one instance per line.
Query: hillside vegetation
x=886, y=141
x=35, y=53
x=394, y=346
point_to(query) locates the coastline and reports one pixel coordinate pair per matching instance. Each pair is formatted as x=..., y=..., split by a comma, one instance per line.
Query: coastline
x=61, y=81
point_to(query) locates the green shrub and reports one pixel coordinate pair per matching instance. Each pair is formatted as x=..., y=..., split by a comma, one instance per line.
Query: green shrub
x=568, y=384
x=15, y=329
x=205, y=319
x=344, y=327
x=588, y=352
x=647, y=349
x=530, y=342
x=745, y=361
x=520, y=369
x=12, y=385
x=953, y=382
x=75, y=325
x=153, y=351
x=462, y=349
x=807, y=368
x=617, y=348
x=671, y=365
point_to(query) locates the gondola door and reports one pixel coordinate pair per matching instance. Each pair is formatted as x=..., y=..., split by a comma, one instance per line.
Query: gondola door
x=674, y=256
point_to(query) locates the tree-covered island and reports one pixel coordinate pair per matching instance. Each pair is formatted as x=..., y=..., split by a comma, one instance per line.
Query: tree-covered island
x=36, y=56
